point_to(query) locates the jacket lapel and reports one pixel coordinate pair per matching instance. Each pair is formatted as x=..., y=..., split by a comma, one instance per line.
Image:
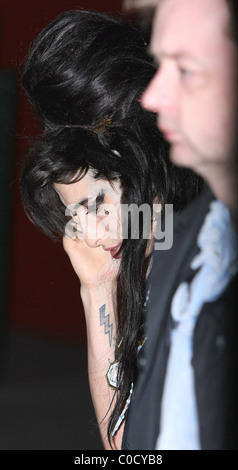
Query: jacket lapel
x=168, y=270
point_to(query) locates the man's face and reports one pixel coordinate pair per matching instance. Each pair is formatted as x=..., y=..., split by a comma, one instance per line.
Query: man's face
x=194, y=90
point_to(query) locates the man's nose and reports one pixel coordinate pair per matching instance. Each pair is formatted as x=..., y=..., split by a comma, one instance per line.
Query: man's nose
x=161, y=95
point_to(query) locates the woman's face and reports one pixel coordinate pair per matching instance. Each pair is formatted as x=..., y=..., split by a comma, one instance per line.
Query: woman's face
x=94, y=206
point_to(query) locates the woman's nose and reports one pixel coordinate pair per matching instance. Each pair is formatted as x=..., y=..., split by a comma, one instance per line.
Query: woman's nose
x=93, y=242
x=94, y=233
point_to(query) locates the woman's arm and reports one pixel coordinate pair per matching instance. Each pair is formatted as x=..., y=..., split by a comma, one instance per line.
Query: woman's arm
x=97, y=272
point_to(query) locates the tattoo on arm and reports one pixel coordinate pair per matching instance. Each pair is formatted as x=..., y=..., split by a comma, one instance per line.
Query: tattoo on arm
x=105, y=320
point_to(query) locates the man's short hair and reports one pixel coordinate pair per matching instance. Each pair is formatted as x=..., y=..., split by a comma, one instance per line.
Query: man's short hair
x=233, y=7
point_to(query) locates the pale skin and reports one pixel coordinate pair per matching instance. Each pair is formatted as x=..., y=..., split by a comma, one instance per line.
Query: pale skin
x=97, y=271
x=97, y=274
x=195, y=89
x=97, y=266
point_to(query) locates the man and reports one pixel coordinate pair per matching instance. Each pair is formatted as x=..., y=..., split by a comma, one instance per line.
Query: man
x=194, y=91
x=186, y=394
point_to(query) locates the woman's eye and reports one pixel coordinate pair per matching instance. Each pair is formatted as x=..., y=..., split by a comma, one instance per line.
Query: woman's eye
x=93, y=209
x=95, y=206
x=98, y=208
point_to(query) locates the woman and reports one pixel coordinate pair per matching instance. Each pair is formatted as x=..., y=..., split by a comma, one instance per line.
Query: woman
x=85, y=74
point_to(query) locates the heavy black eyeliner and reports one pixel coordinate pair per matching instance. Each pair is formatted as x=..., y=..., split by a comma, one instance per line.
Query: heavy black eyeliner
x=98, y=201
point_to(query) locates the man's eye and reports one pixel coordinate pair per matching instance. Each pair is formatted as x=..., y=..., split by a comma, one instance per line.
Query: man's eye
x=185, y=72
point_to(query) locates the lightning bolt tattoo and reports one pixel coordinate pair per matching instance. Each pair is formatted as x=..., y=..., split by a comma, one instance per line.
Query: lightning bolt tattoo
x=104, y=320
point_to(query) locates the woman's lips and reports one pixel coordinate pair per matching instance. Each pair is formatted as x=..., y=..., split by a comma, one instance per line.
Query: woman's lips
x=113, y=251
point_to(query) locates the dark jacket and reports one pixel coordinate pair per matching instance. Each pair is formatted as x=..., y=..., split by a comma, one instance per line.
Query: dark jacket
x=214, y=351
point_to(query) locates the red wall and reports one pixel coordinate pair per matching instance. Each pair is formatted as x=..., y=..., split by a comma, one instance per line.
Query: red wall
x=44, y=291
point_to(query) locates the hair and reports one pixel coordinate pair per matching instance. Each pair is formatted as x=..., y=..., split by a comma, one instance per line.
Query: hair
x=85, y=67
x=233, y=9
